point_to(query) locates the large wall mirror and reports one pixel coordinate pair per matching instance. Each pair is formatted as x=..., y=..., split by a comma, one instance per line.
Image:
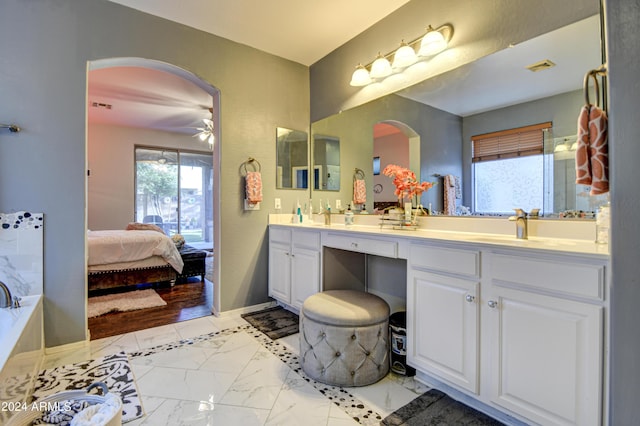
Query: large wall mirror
x=326, y=163
x=494, y=93
x=292, y=166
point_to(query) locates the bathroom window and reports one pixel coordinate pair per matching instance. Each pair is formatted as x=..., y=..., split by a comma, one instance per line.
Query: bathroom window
x=174, y=190
x=508, y=169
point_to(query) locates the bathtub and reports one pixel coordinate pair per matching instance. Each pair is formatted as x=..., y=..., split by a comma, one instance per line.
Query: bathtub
x=21, y=352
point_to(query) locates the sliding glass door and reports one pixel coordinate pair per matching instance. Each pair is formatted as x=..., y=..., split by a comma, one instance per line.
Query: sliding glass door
x=174, y=190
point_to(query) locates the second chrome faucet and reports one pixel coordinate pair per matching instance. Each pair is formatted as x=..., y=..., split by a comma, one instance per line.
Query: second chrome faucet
x=522, y=232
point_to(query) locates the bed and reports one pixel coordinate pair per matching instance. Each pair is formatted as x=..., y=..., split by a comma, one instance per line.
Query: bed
x=120, y=258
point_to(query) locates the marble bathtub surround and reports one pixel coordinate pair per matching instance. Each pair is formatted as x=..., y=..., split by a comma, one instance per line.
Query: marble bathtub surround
x=21, y=252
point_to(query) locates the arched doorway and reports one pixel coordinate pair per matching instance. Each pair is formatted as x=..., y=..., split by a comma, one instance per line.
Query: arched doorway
x=394, y=142
x=165, y=100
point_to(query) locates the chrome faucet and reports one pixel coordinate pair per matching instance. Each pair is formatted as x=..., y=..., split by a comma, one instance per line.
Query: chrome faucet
x=8, y=302
x=521, y=224
x=327, y=216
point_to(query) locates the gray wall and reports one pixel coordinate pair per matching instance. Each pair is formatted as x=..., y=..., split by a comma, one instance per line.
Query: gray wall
x=623, y=62
x=440, y=143
x=45, y=47
x=481, y=27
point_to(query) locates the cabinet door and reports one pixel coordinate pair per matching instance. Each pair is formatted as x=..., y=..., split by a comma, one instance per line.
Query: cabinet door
x=443, y=327
x=305, y=275
x=280, y=272
x=546, y=357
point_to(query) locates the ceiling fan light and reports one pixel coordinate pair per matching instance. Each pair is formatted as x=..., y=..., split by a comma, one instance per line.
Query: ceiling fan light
x=360, y=77
x=203, y=136
x=381, y=68
x=404, y=56
x=432, y=43
x=211, y=140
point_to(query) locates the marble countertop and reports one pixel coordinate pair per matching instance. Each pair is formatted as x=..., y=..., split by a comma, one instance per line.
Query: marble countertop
x=581, y=246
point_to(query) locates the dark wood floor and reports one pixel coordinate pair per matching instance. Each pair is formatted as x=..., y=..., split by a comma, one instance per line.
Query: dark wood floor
x=185, y=301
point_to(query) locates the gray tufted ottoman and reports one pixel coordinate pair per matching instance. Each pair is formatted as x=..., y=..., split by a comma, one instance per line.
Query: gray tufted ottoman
x=344, y=337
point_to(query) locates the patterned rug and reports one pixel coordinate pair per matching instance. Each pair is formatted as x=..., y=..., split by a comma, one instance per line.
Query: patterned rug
x=121, y=302
x=275, y=322
x=437, y=408
x=113, y=370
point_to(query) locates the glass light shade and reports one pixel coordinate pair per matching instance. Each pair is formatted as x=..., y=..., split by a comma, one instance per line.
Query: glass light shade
x=432, y=43
x=203, y=136
x=404, y=56
x=560, y=148
x=211, y=139
x=381, y=67
x=574, y=146
x=360, y=77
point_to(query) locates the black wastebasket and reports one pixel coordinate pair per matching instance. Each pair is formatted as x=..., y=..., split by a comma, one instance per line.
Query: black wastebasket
x=398, y=339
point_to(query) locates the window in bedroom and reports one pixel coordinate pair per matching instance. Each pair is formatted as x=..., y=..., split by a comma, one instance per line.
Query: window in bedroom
x=508, y=169
x=174, y=190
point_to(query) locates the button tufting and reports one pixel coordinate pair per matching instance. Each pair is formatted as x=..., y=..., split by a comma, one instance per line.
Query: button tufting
x=353, y=337
x=367, y=353
x=337, y=353
x=353, y=373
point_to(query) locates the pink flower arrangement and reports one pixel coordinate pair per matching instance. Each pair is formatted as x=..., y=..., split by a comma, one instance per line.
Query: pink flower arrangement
x=405, y=181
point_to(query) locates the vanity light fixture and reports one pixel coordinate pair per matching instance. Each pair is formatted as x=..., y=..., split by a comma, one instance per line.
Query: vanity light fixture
x=432, y=42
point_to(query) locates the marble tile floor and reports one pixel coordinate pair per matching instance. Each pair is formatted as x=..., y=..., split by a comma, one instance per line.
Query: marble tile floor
x=235, y=377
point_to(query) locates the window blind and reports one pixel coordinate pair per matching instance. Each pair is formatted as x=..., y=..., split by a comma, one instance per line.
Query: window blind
x=519, y=142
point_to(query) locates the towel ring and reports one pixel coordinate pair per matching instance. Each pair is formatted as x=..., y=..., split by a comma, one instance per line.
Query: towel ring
x=358, y=174
x=593, y=74
x=254, y=163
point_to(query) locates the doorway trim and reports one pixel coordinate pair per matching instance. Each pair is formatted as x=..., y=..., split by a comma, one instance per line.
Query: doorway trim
x=215, y=94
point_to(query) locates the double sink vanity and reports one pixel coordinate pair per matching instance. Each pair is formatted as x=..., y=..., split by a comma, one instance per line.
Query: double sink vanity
x=514, y=327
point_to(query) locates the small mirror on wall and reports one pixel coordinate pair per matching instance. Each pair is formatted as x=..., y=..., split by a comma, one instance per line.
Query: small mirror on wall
x=326, y=163
x=292, y=164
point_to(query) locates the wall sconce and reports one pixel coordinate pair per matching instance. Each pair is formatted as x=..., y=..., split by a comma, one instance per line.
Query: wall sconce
x=432, y=42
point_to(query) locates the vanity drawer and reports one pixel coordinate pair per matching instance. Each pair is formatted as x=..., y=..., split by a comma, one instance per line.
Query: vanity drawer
x=445, y=259
x=306, y=239
x=553, y=275
x=282, y=235
x=376, y=246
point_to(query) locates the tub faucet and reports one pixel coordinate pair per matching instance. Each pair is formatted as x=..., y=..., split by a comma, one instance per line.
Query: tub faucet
x=8, y=302
x=521, y=224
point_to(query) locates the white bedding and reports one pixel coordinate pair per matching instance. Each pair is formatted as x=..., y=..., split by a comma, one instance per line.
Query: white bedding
x=116, y=246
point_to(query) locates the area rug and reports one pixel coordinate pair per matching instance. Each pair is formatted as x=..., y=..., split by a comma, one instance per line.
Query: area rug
x=121, y=302
x=437, y=408
x=208, y=270
x=112, y=370
x=275, y=322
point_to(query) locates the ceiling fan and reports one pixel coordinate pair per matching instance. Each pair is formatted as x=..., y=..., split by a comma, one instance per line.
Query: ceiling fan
x=206, y=133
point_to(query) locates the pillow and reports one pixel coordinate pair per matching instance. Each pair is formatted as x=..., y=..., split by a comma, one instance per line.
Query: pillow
x=137, y=226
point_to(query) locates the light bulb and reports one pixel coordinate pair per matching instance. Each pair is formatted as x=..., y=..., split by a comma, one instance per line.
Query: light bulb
x=381, y=67
x=432, y=43
x=360, y=77
x=404, y=56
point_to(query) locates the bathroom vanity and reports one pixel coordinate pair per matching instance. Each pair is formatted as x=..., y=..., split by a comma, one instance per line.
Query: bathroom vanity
x=516, y=328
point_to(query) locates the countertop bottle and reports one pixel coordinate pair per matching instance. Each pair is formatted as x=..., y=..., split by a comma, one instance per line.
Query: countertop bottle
x=348, y=216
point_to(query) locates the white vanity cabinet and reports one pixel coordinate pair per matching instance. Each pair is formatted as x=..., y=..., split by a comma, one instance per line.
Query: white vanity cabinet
x=545, y=336
x=443, y=314
x=294, y=264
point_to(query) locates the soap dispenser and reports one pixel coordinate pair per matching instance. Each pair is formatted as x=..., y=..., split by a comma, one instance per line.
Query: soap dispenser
x=348, y=216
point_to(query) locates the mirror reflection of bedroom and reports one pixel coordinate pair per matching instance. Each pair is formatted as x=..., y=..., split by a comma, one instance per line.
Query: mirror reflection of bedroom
x=150, y=198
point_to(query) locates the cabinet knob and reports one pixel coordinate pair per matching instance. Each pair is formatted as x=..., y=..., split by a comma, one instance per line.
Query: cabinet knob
x=492, y=304
x=354, y=245
x=469, y=298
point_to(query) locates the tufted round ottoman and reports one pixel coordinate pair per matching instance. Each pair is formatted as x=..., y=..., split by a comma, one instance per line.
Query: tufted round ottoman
x=344, y=337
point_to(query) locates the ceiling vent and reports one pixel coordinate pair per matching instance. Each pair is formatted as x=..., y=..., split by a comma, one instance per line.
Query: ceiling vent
x=542, y=65
x=101, y=105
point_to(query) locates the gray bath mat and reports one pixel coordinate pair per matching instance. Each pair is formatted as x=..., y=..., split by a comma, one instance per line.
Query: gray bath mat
x=436, y=408
x=275, y=322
